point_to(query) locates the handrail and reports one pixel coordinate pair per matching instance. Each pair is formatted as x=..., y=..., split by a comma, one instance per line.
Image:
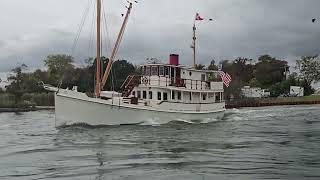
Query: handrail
x=166, y=81
x=129, y=82
x=125, y=82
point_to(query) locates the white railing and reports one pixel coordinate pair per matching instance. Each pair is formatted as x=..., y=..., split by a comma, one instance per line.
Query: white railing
x=187, y=83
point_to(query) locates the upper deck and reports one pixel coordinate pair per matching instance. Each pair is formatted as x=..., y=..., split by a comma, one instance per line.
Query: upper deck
x=177, y=76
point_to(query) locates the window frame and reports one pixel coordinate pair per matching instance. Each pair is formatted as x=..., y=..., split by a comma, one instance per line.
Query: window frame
x=217, y=97
x=139, y=94
x=161, y=71
x=148, y=71
x=165, y=96
x=173, y=95
x=204, y=97
x=179, y=95
x=154, y=71
x=144, y=94
x=203, y=77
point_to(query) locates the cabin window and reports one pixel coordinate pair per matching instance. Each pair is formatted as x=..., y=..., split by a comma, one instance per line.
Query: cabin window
x=161, y=71
x=150, y=94
x=203, y=77
x=211, y=96
x=133, y=93
x=144, y=94
x=204, y=97
x=179, y=95
x=190, y=73
x=173, y=95
x=139, y=94
x=165, y=96
x=159, y=96
x=154, y=71
x=147, y=70
x=217, y=97
x=172, y=72
x=190, y=96
x=166, y=71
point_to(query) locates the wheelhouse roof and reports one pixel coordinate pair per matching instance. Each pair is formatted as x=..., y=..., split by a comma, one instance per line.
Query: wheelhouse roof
x=158, y=64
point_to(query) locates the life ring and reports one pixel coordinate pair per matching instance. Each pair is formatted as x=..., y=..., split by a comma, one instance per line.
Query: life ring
x=145, y=80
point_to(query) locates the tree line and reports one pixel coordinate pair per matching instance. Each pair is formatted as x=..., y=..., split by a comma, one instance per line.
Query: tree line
x=273, y=74
x=266, y=72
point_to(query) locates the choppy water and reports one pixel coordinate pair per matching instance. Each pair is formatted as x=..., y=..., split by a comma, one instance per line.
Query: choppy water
x=255, y=143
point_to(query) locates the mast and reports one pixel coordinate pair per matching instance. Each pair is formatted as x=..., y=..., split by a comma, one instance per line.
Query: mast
x=98, y=61
x=116, y=47
x=194, y=38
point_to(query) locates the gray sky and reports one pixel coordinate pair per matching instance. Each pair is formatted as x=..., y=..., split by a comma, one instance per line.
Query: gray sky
x=30, y=30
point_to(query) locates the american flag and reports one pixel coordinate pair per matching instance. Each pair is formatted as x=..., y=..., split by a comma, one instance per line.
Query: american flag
x=226, y=78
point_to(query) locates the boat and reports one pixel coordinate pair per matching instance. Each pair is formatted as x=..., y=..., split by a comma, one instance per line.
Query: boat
x=163, y=92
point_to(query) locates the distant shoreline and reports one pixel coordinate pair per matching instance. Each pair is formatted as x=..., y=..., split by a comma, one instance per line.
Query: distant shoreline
x=263, y=102
x=232, y=106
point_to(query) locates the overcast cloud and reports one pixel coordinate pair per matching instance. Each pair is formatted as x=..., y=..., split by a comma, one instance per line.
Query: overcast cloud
x=30, y=30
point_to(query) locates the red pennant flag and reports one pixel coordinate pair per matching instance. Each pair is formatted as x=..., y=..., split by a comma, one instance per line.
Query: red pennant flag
x=198, y=17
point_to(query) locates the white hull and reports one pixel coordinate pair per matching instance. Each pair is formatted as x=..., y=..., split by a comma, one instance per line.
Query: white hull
x=76, y=108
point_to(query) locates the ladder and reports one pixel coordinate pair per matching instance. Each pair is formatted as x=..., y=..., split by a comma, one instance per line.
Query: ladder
x=128, y=85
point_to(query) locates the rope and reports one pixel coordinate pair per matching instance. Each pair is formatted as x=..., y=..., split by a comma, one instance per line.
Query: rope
x=91, y=35
x=83, y=20
x=107, y=37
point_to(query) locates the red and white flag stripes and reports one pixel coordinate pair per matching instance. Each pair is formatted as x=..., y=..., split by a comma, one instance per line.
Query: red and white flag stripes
x=226, y=78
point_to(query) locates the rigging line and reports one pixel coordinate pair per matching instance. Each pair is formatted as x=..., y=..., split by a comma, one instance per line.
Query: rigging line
x=85, y=13
x=83, y=20
x=90, y=49
x=118, y=46
x=108, y=47
x=107, y=40
x=112, y=82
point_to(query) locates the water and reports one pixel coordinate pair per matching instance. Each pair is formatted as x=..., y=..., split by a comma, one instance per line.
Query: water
x=252, y=143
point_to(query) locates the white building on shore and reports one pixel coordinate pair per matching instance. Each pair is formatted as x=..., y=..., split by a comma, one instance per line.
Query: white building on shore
x=296, y=91
x=3, y=80
x=254, y=92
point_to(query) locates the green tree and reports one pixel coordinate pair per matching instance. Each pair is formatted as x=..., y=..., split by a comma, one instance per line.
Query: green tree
x=241, y=72
x=200, y=66
x=309, y=69
x=119, y=72
x=84, y=77
x=59, y=66
x=269, y=70
x=16, y=86
x=283, y=87
x=213, y=66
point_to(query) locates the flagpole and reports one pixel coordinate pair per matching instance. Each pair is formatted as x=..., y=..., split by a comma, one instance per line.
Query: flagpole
x=194, y=38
